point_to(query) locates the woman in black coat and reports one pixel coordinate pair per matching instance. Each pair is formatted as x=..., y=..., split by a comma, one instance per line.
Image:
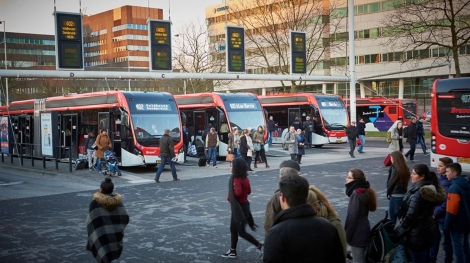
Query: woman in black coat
x=415, y=219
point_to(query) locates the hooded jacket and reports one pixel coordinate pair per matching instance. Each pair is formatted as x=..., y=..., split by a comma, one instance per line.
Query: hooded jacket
x=299, y=236
x=415, y=216
x=440, y=210
x=357, y=223
x=458, y=205
x=106, y=222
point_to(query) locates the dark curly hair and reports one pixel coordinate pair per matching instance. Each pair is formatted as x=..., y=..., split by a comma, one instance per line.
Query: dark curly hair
x=239, y=168
x=107, y=186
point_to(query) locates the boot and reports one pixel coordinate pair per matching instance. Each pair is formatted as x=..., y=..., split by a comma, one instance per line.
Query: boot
x=256, y=165
x=267, y=166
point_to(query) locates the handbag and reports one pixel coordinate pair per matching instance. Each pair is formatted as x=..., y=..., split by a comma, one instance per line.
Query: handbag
x=229, y=157
x=256, y=147
x=94, y=147
x=359, y=142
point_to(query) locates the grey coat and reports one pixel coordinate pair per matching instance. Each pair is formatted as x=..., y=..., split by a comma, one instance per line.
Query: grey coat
x=293, y=148
x=394, y=146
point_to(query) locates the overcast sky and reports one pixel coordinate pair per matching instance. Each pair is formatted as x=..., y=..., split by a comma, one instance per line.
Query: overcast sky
x=35, y=16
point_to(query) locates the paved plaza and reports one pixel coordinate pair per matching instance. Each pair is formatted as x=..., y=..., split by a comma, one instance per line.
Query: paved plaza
x=43, y=213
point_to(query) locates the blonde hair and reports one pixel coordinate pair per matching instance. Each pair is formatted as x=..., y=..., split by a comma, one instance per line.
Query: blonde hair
x=317, y=196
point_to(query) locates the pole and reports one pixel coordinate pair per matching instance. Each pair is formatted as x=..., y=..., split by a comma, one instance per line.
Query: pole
x=352, y=62
x=6, y=66
x=128, y=68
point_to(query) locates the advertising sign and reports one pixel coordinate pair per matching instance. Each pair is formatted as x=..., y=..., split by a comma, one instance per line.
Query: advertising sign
x=46, y=134
x=4, y=134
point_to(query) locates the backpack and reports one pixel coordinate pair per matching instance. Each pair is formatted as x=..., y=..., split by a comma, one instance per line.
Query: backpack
x=405, y=132
x=389, y=137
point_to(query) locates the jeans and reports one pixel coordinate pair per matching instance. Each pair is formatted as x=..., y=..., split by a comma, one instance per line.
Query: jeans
x=91, y=157
x=308, y=135
x=461, y=246
x=411, y=151
x=358, y=254
x=114, y=168
x=420, y=140
x=235, y=152
x=212, y=154
x=363, y=140
x=98, y=165
x=270, y=139
x=393, y=207
x=420, y=256
x=446, y=245
x=165, y=159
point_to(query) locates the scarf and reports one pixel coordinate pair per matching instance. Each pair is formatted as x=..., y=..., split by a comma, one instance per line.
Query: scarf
x=357, y=183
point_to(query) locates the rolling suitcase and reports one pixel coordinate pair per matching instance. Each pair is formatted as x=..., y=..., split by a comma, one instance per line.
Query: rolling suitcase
x=81, y=164
x=202, y=161
x=388, y=160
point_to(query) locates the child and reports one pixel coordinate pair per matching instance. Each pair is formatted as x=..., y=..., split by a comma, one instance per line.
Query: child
x=112, y=162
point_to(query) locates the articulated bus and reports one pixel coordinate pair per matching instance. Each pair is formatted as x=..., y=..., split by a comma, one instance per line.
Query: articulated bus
x=450, y=122
x=329, y=109
x=223, y=111
x=135, y=122
x=380, y=113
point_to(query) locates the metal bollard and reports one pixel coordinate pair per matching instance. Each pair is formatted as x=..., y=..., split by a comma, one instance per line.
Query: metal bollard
x=31, y=154
x=21, y=155
x=70, y=160
x=3, y=158
x=44, y=162
x=57, y=163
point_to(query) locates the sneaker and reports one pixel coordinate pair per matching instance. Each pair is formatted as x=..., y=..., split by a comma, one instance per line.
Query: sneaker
x=214, y=166
x=207, y=165
x=157, y=181
x=426, y=154
x=230, y=254
x=176, y=179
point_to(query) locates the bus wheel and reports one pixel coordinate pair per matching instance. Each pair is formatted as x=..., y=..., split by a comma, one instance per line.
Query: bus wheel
x=318, y=145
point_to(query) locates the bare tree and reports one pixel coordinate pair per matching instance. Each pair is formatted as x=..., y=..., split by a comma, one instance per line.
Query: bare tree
x=192, y=54
x=268, y=24
x=420, y=25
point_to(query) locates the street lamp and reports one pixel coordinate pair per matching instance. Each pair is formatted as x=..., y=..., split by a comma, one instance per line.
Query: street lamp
x=5, y=62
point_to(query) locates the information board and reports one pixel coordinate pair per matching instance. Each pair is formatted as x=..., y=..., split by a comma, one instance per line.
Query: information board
x=69, y=40
x=235, y=52
x=160, y=45
x=298, y=53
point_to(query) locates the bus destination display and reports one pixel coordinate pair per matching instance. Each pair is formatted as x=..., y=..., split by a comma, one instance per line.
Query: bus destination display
x=160, y=42
x=298, y=53
x=236, y=49
x=69, y=40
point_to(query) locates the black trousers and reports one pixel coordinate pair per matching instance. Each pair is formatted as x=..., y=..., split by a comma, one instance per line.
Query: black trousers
x=262, y=154
x=352, y=146
x=236, y=231
x=411, y=151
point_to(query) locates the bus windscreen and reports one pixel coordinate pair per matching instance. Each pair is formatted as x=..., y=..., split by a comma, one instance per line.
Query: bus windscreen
x=333, y=112
x=244, y=114
x=453, y=114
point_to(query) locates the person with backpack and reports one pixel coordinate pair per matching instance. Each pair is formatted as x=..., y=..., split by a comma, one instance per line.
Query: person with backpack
x=291, y=139
x=397, y=138
x=411, y=136
x=397, y=184
x=308, y=130
x=90, y=151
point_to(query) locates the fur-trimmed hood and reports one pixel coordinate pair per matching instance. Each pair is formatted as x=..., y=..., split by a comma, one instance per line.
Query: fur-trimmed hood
x=108, y=202
x=431, y=194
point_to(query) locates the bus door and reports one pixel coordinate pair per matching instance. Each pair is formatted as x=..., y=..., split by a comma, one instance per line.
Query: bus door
x=26, y=131
x=293, y=113
x=68, y=130
x=17, y=134
x=115, y=134
x=199, y=126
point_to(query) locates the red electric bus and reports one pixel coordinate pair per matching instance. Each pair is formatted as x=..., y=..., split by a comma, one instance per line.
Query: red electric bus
x=450, y=122
x=223, y=111
x=381, y=113
x=128, y=117
x=329, y=109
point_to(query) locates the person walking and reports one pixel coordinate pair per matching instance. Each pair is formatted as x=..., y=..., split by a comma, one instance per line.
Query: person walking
x=271, y=129
x=361, y=134
x=233, y=142
x=238, y=190
x=301, y=144
x=273, y=207
x=397, y=184
x=291, y=139
x=457, y=220
x=415, y=220
x=351, y=132
x=420, y=135
x=258, y=137
x=397, y=138
x=104, y=143
x=90, y=151
x=167, y=154
x=411, y=137
x=439, y=216
x=362, y=199
x=297, y=234
x=308, y=130
x=212, y=142
x=246, y=147
x=297, y=124
x=107, y=218
x=318, y=201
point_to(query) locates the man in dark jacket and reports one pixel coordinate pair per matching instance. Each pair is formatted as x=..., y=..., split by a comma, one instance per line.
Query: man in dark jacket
x=271, y=129
x=351, y=132
x=457, y=219
x=361, y=134
x=212, y=141
x=420, y=135
x=297, y=234
x=185, y=142
x=308, y=129
x=411, y=136
x=167, y=154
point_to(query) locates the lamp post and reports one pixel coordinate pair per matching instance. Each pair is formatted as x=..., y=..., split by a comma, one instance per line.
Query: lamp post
x=5, y=62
